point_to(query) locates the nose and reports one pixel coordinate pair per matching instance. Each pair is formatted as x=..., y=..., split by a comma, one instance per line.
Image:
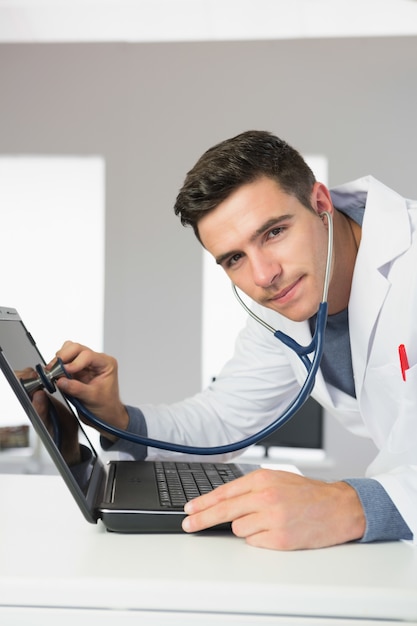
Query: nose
x=265, y=270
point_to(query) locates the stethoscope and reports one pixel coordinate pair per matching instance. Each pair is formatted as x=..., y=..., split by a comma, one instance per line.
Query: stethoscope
x=46, y=378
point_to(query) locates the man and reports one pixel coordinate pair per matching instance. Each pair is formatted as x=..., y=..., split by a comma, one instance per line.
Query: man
x=256, y=207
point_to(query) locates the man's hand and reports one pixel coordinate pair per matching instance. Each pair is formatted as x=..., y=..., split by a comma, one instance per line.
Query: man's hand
x=281, y=510
x=94, y=382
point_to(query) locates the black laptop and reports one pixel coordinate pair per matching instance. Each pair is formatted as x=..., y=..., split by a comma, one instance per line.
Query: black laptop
x=128, y=496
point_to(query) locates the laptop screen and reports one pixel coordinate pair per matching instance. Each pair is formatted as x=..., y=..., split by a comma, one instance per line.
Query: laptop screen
x=49, y=412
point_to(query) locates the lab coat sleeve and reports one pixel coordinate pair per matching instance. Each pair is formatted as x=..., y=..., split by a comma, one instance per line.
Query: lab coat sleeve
x=250, y=392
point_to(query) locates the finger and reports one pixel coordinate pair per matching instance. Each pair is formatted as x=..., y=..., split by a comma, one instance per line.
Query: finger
x=69, y=350
x=271, y=541
x=77, y=357
x=210, y=500
x=256, y=521
x=85, y=362
x=73, y=387
x=226, y=510
x=234, y=489
x=206, y=519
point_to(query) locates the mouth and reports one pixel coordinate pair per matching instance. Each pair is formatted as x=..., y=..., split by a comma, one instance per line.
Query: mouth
x=284, y=295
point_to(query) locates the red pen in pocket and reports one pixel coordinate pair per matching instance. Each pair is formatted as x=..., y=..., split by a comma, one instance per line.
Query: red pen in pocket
x=403, y=360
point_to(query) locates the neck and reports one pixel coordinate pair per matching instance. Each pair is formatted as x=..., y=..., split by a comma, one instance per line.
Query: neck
x=347, y=235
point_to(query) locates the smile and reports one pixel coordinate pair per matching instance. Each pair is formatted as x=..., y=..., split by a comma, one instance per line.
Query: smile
x=285, y=294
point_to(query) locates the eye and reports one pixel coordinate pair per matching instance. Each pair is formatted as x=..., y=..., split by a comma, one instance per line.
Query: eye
x=275, y=232
x=233, y=260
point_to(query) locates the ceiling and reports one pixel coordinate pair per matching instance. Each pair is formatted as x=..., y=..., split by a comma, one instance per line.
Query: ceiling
x=202, y=20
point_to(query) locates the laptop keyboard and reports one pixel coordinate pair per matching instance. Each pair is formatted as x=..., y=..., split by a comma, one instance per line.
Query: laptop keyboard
x=179, y=482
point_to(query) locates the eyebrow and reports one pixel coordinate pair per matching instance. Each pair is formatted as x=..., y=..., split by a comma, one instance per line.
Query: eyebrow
x=273, y=221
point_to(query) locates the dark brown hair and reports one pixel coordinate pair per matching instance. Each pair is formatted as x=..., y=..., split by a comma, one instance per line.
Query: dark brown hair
x=235, y=162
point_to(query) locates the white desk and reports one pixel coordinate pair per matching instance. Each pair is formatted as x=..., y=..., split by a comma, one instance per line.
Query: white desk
x=56, y=568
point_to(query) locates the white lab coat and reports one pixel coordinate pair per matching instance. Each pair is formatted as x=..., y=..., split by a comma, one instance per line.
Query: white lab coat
x=264, y=376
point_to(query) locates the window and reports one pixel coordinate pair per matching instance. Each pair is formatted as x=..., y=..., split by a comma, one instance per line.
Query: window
x=52, y=253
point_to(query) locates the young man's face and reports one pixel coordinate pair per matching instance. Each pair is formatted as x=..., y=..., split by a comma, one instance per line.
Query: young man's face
x=271, y=246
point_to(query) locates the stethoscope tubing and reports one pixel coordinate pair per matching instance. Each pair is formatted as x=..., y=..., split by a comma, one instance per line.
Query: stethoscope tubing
x=297, y=403
x=316, y=345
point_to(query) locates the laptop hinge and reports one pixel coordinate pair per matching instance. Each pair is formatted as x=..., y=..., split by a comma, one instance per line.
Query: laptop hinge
x=111, y=482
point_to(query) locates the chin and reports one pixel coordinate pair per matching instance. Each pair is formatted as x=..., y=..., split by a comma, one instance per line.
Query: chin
x=294, y=314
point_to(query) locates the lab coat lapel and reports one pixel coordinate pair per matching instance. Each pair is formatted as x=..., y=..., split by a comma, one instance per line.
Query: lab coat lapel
x=385, y=214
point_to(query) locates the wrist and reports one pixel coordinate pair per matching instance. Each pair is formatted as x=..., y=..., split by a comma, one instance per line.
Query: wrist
x=352, y=516
x=120, y=421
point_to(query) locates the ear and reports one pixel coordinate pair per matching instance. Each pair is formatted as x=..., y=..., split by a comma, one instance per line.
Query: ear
x=321, y=199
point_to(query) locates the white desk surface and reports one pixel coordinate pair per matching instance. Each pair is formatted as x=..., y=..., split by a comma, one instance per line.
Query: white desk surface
x=56, y=566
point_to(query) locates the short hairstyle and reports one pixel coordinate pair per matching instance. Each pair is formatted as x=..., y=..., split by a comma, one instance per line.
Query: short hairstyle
x=238, y=161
